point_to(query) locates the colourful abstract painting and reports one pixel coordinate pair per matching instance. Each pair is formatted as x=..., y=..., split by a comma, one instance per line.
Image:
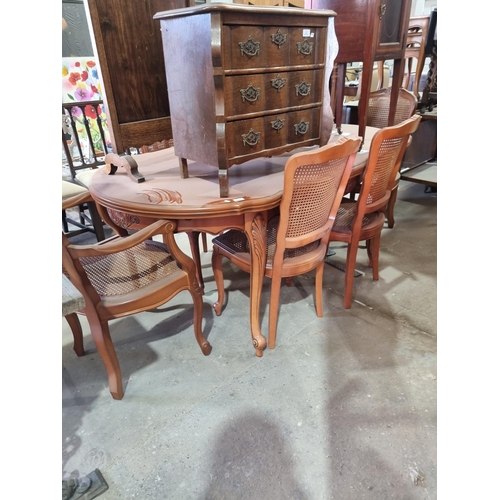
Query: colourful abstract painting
x=80, y=80
x=81, y=84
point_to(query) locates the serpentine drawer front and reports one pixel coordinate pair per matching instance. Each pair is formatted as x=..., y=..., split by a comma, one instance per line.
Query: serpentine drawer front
x=247, y=82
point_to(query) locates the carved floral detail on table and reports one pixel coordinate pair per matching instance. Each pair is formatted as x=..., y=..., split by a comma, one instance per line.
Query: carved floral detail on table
x=158, y=196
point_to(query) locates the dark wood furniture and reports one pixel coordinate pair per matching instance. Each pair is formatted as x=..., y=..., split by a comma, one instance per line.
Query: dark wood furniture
x=420, y=161
x=367, y=31
x=195, y=205
x=246, y=82
x=129, y=50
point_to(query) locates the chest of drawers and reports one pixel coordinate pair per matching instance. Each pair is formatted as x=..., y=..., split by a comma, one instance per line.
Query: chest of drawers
x=247, y=82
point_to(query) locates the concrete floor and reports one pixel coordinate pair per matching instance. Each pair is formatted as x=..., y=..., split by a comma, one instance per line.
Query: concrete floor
x=343, y=408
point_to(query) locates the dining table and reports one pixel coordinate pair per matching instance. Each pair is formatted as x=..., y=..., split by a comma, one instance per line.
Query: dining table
x=157, y=191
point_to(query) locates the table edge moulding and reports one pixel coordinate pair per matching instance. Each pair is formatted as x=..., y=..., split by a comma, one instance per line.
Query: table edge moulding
x=230, y=101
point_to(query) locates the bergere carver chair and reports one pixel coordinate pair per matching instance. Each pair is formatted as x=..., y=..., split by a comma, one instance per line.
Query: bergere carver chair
x=378, y=116
x=363, y=219
x=297, y=238
x=124, y=275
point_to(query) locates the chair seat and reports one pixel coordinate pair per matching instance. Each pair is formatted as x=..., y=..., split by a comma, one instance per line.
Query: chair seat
x=118, y=277
x=70, y=189
x=345, y=218
x=236, y=243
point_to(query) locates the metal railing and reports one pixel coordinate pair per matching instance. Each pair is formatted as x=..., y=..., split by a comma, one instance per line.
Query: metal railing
x=84, y=135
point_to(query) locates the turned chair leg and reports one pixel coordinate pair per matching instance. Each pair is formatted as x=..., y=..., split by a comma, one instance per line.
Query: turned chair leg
x=76, y=330
x=204, y=242
x=219, y=280
x=390, y=206
x=319, y=290
x=352, y=250
x=106, y=349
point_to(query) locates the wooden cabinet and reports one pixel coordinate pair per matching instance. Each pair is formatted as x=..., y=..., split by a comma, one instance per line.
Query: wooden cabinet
x=246, y=82
x=367, y=31
x=129, y=49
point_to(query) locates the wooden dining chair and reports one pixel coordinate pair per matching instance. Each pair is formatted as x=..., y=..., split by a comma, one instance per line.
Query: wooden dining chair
x=363, y=219
x=378, y=116
x=88, y=218
x=297, y=238
x=124, y=275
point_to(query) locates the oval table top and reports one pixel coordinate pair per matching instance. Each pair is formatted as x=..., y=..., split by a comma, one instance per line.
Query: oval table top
x=253, y=185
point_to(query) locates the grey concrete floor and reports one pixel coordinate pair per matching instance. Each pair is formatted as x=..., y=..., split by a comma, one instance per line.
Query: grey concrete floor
x=343, y=408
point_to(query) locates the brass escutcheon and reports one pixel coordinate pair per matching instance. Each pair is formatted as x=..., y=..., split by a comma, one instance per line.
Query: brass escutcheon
x=250, y=48
x=251, y=139
x=301, y=128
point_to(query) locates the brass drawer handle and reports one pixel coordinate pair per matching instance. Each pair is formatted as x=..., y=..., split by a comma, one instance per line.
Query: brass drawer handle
x=250, y=48
x=278, y=83
x=251, y=139
x=305, y=47
x=279, y=38
x=278, y=124
x=303, y=88
x=250, y=94
x=301, y=128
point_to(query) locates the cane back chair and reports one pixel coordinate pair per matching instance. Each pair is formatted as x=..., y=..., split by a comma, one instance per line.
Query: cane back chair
x=363, y=219
x=297, y=238
x=124, y=275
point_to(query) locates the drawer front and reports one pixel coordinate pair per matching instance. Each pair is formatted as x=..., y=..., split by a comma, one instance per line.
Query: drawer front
x=248, y=47
x=244, y=137
x=305, y=87
x=307, y=46
x=303, y=125
x=245, y=94
x=267, y=91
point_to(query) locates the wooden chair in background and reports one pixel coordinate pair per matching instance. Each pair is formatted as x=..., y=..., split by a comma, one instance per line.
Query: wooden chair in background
x=124, y=275
x=88, y=219
x=415, y=50
x=363, y=219
x=297, y=238
x=378, y=116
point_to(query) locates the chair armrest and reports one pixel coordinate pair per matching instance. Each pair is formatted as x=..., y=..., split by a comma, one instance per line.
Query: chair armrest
x=120, y=243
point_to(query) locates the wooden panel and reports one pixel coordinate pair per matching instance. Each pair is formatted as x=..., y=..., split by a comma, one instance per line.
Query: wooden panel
x=307, y=34
x=152, y=130
x=129, y=49
x=246, y=93
x=194, y=101
x=350, y=26
x=304, y=87
x=303, y=125
x=235, y=131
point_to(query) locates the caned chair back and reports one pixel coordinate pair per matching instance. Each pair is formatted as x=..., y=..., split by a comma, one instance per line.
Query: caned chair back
x=386, y=153
x=379, y=104
x=314, y=183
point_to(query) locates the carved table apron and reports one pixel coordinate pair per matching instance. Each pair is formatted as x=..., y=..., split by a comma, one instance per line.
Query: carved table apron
x=195, y=203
